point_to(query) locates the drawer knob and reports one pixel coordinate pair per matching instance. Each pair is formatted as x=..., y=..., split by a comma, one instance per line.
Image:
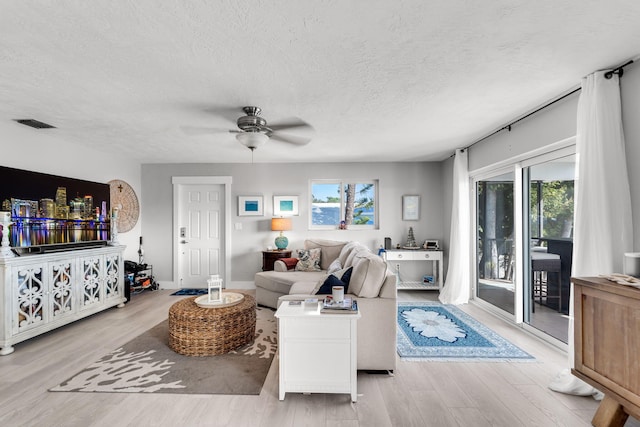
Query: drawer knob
x=426, y=255
x=399, y=255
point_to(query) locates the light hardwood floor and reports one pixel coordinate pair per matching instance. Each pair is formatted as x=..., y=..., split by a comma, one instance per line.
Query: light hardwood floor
x=419, y=394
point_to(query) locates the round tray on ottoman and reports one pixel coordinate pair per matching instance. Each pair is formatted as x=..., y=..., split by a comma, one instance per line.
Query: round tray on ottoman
x=198, y=331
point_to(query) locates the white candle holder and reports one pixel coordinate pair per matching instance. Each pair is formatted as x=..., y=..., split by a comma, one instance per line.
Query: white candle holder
x=215, y=288
x=5, y=246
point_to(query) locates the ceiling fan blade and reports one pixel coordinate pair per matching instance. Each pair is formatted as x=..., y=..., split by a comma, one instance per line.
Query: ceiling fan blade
x=289, y=124
x=230, y=114
x=290, y=139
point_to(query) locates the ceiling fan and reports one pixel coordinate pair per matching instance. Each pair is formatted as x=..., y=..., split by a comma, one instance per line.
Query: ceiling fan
x=253, y=130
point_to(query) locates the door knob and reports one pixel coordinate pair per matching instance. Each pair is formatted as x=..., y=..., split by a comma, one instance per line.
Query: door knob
x=183, y=242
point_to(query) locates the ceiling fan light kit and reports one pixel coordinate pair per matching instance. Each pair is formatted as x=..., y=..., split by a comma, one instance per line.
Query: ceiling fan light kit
x=252, y=140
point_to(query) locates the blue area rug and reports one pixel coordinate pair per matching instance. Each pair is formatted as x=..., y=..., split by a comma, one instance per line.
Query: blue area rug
x=191, y=291
x=430, y=331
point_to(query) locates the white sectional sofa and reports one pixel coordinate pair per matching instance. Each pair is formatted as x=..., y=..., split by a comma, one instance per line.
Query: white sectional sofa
x=371, y=283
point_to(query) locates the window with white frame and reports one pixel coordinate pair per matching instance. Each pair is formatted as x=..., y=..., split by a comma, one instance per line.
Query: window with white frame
x=334, y=201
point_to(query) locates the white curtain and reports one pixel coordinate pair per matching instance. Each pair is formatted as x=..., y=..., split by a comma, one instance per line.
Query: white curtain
x=457, y=286
x=602, y=212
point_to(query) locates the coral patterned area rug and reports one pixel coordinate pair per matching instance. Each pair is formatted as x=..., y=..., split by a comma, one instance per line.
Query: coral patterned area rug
x=146, y=364
x=430, y=331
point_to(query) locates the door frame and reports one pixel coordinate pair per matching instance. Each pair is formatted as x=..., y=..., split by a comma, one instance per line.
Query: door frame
x=225, y=181
x=474, y=178
x=515, y=164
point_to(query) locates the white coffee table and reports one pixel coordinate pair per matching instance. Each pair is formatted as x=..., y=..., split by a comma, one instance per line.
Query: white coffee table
x=317, y=351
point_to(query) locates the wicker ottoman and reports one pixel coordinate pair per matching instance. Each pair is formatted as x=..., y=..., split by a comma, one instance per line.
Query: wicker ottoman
x=197, y=331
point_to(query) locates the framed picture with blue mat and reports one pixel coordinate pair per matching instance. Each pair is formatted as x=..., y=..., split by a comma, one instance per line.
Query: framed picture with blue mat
x=430, y=331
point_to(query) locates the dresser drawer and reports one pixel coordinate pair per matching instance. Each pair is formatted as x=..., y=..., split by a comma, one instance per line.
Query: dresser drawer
x=414, y=255
x=319, y=328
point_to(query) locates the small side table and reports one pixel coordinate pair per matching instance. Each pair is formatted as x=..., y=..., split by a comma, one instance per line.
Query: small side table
x=317, y=351
x=270, y=257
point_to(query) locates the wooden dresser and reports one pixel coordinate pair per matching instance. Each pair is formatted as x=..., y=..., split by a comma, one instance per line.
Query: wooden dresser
x=270, y=257
x=607, y=346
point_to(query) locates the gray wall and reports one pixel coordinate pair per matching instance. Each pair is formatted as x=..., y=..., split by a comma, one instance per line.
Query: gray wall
x=630, y=92
x=553, y=124
x=395, y=180
x=557, y=123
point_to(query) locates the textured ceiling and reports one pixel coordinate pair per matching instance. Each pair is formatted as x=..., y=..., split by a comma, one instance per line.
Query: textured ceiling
x=378, y=80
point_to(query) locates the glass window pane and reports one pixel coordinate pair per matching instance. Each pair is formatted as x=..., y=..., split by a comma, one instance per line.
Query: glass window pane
x=362, y=210
x=495, y=238
x=325, y=205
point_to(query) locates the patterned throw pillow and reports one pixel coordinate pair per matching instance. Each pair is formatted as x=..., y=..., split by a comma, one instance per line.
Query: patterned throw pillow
x=308, y=260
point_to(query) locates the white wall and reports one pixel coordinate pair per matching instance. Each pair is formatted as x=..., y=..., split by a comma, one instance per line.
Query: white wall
x=41, y=150
x=395, y=179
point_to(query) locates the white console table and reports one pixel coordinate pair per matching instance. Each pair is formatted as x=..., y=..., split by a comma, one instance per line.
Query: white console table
x=392, y=256
x=317, y=351
x=42, y=292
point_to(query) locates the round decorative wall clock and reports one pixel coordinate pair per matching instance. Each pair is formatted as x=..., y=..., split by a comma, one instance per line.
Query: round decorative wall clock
x=124, y=198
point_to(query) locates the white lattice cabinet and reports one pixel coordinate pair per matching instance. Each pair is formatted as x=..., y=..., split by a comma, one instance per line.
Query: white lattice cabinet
x=43, y=292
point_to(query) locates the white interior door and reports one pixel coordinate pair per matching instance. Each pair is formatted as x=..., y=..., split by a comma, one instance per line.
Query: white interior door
x=201, y=233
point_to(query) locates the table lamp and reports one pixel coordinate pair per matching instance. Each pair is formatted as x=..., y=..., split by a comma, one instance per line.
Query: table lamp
x=281, y=224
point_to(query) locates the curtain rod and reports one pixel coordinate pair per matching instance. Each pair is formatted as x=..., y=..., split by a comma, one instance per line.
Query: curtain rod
x=617, y=70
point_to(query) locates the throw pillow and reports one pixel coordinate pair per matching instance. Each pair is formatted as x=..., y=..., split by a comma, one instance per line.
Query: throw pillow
x=329, y=283
x=324, y=286
x=346, y=276
x=334, y=266
x=308, y=260
x=330, y=250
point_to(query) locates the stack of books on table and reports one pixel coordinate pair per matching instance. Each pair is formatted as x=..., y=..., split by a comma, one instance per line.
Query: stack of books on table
x=346, y=306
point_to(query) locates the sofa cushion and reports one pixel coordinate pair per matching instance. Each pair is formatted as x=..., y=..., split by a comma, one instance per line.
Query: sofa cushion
x=346, y=250
x=304, y=288
x=368, y=275
x=308, y=259
x=281, y=282
x=330, y=250
x=358, y=248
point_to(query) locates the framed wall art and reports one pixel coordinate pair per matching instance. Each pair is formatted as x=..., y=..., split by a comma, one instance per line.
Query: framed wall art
x=250, y=206
x=410, y=208
x=285, y=205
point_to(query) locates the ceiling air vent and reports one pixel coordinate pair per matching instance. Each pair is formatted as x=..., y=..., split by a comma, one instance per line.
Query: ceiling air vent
x=34, y=123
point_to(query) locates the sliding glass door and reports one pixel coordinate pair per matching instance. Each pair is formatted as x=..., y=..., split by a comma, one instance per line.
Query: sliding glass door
x=550, y=188
x=524, y=235
x=495, y=256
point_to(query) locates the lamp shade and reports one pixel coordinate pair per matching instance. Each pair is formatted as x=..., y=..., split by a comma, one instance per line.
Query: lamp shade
x=281, y=224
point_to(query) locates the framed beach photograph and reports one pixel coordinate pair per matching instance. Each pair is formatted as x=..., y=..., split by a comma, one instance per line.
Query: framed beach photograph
x=250, y=206
x=410, y=208
x=285, y=205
